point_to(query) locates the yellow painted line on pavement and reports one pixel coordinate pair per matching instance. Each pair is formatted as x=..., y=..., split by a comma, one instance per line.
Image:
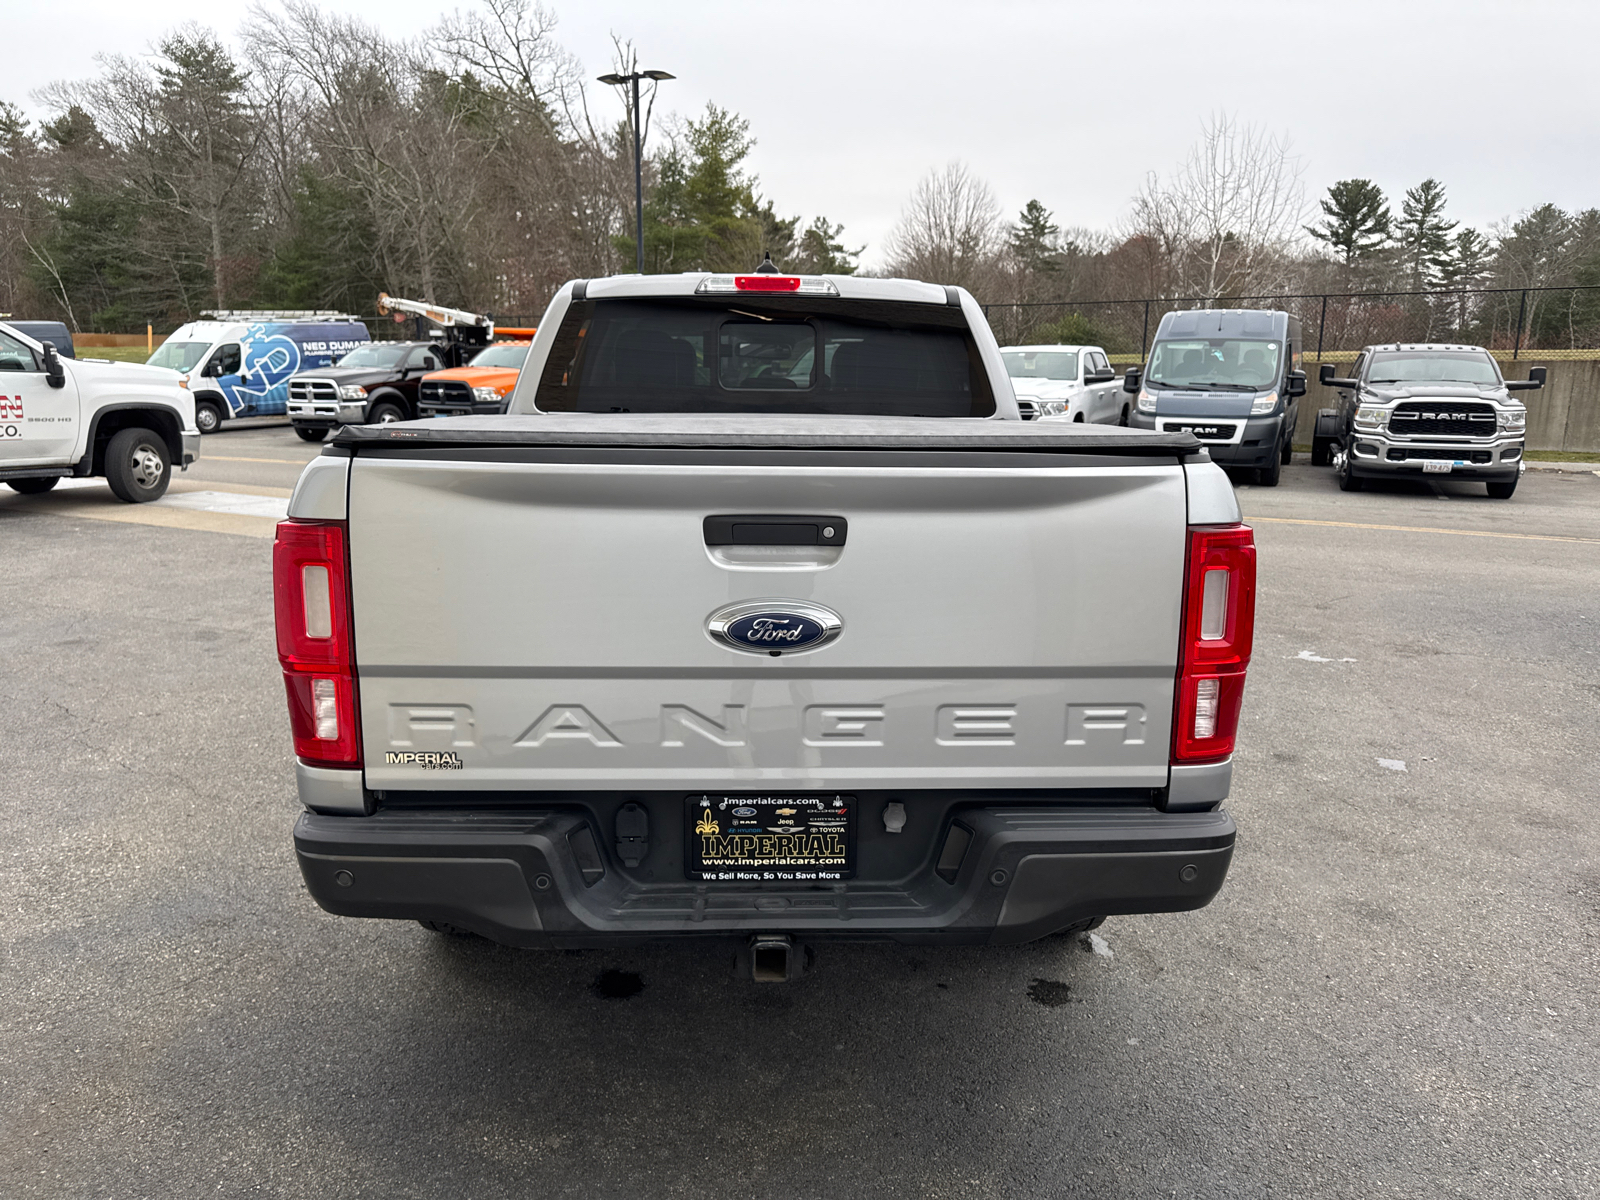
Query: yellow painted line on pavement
x=1488, y=533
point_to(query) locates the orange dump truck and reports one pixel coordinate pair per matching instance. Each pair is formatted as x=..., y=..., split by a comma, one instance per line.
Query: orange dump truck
x=482, y=386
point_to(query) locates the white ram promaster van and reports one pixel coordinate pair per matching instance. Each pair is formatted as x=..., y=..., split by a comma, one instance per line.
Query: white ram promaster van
x=87, y=416
x=239, y=364
x=806, y=635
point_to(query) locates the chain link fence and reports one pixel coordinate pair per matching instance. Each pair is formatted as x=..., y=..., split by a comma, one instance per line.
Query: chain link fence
x=1512, y=322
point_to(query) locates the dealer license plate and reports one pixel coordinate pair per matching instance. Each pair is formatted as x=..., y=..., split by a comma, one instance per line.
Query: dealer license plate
x=770, y=838
x=1436, y=468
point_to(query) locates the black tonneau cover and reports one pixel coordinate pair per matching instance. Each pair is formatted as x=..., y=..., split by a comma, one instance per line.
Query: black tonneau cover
x=763, y=432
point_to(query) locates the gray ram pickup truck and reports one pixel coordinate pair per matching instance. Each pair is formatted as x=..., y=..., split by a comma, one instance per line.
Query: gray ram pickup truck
x=761, y=616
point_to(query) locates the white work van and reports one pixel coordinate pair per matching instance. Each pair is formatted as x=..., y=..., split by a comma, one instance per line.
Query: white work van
x=85, y=416
x=239, y=364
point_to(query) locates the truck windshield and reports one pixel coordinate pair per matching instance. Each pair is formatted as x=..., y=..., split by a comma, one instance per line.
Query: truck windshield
x=1042, y=364
x=1432, y=366
x=767, y=354
x=504, y=354
x=387, y=357
x=1229, y=363
x=179, y=356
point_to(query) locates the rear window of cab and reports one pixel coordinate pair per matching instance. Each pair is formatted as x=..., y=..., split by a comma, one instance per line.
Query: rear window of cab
x=765, y=354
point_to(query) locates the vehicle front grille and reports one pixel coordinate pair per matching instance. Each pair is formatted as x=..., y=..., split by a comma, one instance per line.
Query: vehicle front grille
x=1418, y=453
x=313, y=389
x=1442, y=418
x=1206, y=431
x=1028, y=409
x=446, y=393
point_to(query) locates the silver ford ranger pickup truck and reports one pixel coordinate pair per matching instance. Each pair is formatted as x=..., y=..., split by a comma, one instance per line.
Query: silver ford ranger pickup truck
x=761, y=616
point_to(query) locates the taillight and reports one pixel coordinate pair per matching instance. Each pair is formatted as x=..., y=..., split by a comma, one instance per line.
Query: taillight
x=311, y=602
x=1219, y=616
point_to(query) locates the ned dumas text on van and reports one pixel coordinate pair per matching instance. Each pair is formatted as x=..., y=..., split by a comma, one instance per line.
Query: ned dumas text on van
x=428, y=760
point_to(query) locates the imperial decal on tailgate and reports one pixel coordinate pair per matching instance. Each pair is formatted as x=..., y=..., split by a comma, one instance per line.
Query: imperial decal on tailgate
x=784, y=838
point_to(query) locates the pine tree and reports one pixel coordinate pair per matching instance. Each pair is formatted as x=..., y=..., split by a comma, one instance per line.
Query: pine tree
x=1422, y=235
x=1357, y=220
x=1034, y=240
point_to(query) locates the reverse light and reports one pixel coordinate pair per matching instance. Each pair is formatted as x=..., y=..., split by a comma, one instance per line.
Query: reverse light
x=311, y=603
x=804, y=285
x=1262, y=405
x=1218, y=631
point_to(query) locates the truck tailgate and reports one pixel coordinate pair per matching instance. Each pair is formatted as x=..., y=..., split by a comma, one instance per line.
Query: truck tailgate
x=536, y=618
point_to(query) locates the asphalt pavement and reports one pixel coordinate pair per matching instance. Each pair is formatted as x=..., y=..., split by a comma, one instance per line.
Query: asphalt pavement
x=1393, y=995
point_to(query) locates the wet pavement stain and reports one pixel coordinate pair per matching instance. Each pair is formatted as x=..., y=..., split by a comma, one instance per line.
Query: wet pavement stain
x=617, y=985
x=1050, y=993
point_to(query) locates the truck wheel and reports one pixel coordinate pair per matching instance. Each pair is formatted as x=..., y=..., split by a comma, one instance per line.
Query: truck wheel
x=1123, y=419
x=1497, y=491
x=207, y=417
x=310, y=435
x=34, y=487
x=1268, y=475
x=1349, y=481
x=1321, y=452
x=1287, y=456
x=138, y=465
x=385, y=414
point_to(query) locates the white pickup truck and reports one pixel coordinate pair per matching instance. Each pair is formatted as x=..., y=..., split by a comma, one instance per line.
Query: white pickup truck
x=761, y=616
x=83, y=416
x=1066, y=383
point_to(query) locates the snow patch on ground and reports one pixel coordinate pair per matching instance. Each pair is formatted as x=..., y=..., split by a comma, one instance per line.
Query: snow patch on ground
x=1392, y=764
x=1097, y=945
x=1312, y=656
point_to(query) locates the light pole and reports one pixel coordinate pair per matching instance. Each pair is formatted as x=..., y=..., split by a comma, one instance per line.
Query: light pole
x=638, y=160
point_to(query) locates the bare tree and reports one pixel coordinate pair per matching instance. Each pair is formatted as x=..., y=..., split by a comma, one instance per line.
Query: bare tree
x=950, y=231
x=1228, y=219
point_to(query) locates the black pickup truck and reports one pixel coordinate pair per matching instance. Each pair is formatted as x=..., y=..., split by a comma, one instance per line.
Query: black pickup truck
x=373, y=384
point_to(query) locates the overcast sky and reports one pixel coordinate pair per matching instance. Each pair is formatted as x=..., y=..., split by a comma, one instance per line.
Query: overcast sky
x=1072, y=103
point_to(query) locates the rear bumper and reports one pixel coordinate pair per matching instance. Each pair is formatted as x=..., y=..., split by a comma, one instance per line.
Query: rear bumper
x=997, y=874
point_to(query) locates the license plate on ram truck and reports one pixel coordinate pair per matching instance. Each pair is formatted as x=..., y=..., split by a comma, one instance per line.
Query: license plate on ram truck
x=1437, y=468
x=788, y=838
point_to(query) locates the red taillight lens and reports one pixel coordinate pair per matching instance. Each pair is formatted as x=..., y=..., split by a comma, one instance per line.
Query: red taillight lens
x=767, y=283
x=311, y=601
x=1219, y=617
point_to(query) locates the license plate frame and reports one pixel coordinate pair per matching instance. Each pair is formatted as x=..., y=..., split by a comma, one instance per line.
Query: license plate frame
x=1436, y=466
x=742, y=837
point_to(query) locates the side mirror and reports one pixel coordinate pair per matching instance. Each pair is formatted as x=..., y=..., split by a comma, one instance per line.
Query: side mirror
x=1536, y=376
x=1297, y=383
x=1103, y=375
x=54, y=373
x=1325, y=375
x=1130, y=381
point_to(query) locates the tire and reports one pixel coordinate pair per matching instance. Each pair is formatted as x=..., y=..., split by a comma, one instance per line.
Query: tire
x=207, y=417
x=1497, y=491
x=138, y=465
x=1321, y=452
x=1287, y=454
x=1078, y=928
x=1078, y=420
x=385, y=414
x=309, y=435
x=1349, y=481
x=1123, y=419
x=34, y=487
x=1269, y=475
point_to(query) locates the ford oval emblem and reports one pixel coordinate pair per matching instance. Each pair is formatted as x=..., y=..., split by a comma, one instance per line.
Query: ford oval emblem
x=744, y=812
x=774, y=627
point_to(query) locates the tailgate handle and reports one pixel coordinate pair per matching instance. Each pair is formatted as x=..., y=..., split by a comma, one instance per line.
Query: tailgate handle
x=781, y=530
